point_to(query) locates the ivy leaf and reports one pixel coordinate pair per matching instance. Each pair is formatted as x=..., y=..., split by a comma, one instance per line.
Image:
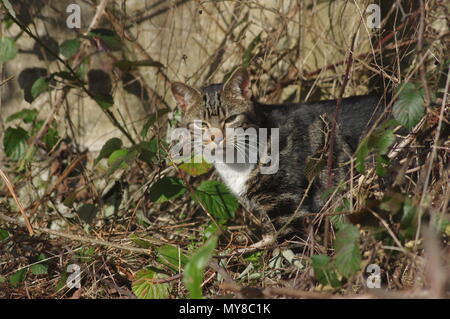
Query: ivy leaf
x=193, y=272
x=217, y=199
x=409, y=109
x=27, y=115
x=108, y=148
x=172, y=257
x=166, y=189
x=39, y=86
x=15, y=142
x=18, y=277
x=70, y=47
x=145, y=288
x=346, y=245
x=324, y=270
x=8, y=50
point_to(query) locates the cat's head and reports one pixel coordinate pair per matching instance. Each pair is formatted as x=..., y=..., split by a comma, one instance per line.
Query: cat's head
x=217, y=107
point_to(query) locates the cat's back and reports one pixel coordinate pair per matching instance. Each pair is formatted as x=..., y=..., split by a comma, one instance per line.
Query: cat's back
x=357, y=114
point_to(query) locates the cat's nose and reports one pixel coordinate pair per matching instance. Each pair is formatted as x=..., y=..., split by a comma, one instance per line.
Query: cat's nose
x=216, y=138
x=213, y=135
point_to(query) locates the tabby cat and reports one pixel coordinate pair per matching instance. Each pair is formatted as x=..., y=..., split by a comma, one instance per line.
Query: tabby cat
x=302, y=136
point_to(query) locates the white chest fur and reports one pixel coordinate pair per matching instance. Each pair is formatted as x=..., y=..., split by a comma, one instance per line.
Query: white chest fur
x=235, y=175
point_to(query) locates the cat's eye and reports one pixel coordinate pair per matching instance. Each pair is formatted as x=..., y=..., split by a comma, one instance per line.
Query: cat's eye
x=199, y=125
x=231, y=118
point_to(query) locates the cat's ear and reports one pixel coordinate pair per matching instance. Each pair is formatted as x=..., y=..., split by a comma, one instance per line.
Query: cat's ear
x=239, y=83
x=185, y=96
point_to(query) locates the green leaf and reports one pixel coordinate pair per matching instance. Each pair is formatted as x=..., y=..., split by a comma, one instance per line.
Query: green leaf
x=211, y=229
x=118, y=156
x=39, y=269
x=409, y=109
x=87, y=212
x=166, y=189
x=27, y=115
x=51, y=138
x=324, y=270
x=361, y=154
x=70, y=47
x=172, y=257
x=195, y=169
x=81, y=71
x=193, y=272
x=346, y=245
x=217, y=199
x=409, y=212
x=108, y=37
x=126, y=65
x=18, y=277
x=381, y=141
x=86, y=254
x=145, y=288
x=105, y=101
x=120, y=159
x=339, y=221
x=139, y=241
x=152, y=119
x=380, y=162
x=62, y=281
x=155, y=148
x=8, y=50
x=148, y=150
x=3, y=234
x=108, y=148
x=15, y=142
x=39, y=86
